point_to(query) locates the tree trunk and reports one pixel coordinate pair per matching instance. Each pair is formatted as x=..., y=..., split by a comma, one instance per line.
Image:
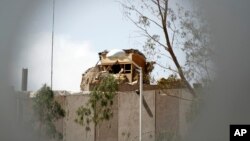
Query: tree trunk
x=181, y=74
x=176, y=62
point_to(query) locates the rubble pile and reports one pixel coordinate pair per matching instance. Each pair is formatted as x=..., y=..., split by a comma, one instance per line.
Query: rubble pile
x=123, y=69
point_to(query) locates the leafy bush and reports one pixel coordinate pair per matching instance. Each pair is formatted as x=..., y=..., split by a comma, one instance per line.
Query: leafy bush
x=99, y=106
x=47, y=111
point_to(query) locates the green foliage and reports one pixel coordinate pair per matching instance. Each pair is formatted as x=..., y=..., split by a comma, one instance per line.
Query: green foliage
x=99, y=106
x=171, y=82
x=47, y=111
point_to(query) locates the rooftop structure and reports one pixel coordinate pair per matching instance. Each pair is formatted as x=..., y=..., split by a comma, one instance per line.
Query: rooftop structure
x=121, y=68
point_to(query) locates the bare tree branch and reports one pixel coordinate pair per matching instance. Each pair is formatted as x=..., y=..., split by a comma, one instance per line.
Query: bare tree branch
x=146, y=32
x=166, y=68
x=162, y=54
x=163, y=12
x=148, y=18
x=156, y=3
x=159, y=8
x=138, y=12
x=173, y=37
x=166, y=11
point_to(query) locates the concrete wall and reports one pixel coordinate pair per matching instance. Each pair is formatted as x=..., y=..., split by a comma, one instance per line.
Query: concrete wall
x=108, y=130
x=162, y=114
x=71, y=130
x=184, y=107
x=167, y=114
x=128, y=116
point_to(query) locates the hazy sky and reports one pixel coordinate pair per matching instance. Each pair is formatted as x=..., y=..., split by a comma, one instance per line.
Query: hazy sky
x=82, y=29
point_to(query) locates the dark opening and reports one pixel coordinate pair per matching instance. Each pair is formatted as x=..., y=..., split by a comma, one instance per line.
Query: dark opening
x=127, y=68
x=116, y=69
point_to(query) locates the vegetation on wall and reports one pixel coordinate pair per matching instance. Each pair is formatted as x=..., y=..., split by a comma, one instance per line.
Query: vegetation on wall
x=171, y=82
x=47, y=111
x=99, y=105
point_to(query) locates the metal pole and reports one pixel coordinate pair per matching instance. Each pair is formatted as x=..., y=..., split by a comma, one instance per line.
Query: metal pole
x=24, y=79
x=52, y=45
x=141, y=95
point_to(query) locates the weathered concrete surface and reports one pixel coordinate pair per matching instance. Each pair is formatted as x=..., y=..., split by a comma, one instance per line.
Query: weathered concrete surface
x=71, y=130
x=184, y=107
x=108, y=130
x=163, y=112
x=148, y=116
x=128, y=115
x=167, y=114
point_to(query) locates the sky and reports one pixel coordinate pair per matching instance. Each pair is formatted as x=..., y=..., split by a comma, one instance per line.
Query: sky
x=82, y=29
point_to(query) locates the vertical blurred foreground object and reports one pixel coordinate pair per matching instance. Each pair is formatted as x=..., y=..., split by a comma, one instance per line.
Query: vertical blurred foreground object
x=24, y=79
x=52, y=45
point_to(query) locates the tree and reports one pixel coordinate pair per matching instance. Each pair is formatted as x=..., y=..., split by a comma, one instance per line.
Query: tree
x=47, y=112
x=166, y=29
x=99, y=105
x=197, y=47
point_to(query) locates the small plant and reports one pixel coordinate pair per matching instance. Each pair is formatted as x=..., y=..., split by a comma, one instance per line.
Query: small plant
x=47, y=111
x=171, y=82
x=99, y=105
